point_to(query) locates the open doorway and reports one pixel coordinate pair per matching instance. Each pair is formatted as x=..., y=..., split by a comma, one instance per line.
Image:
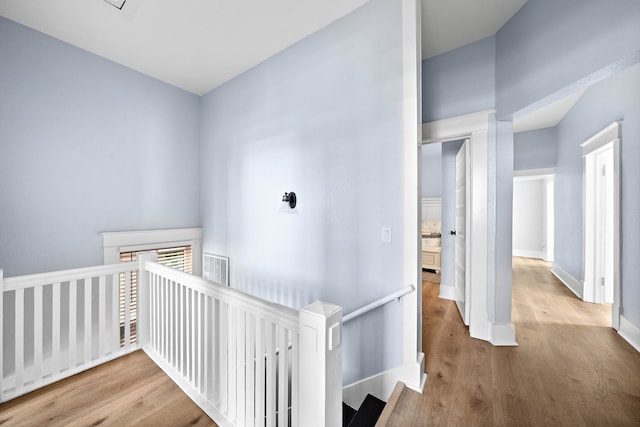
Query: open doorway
x=444, y=202
x=601, y=160
x=533, y=211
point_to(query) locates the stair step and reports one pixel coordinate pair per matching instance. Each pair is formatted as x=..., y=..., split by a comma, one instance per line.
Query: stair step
x=347, y=414
x=368, y=413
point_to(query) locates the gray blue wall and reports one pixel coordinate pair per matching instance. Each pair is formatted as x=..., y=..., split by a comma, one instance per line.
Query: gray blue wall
x=549, y=45
x=431, y=170
x=86, y=146
x=459, y=82
x=536, y=149
x=324, y=119
x=617, y=98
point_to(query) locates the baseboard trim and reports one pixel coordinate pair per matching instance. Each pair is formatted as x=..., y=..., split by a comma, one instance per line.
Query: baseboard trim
x=630, y=333
x=503, y=335
x=529, y=254
x=382, y=385
x=569, y=281
x=447, y=292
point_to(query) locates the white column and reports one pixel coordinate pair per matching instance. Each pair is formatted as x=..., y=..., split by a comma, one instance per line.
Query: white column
x=143, y=297
x=320, y=355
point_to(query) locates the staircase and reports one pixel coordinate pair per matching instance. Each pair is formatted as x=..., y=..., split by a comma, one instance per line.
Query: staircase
x=372, y=411
x=366, y=416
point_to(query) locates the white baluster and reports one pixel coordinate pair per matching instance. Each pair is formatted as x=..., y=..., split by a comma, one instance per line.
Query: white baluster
x=250, y=358
x=261, y=350
x=19, y=340
x=127, y=310
x=37, y=335
x=283, y=368
x=102, y=316
x=73, y=323
x=55, y=329
x=271, y=373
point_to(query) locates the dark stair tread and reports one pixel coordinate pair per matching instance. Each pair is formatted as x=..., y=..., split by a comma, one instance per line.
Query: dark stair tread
x=347, y=414
x=368, y=413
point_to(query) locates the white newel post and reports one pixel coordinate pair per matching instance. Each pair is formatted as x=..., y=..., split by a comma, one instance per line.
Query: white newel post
x=143, y=297
x=320, y=356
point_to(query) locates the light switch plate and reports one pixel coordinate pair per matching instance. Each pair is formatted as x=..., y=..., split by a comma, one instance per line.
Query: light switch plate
x=385, y=235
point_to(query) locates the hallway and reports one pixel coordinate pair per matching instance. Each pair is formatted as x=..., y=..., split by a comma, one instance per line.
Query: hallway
x=569, y=369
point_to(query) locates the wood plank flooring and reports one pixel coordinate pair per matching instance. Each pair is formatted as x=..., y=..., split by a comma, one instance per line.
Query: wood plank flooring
x=570, y=368
x=129, y=391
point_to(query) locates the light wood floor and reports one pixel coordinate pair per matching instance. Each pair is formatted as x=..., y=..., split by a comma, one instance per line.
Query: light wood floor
x=570, y=369
x=129, y=391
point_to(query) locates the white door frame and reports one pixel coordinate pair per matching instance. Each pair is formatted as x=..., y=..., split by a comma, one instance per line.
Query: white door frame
x=608, y=135
x=476, y=128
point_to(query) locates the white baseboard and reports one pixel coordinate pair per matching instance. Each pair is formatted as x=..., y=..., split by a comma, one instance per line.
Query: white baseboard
x=630, y=332
x=447, y=292
x=503, y=335
x=381, y=385
x=569, y=281
x=529, y=254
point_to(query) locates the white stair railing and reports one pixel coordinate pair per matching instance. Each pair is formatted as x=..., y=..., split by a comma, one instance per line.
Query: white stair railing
x=61, y=323
x=243, y=360
x=240, y=357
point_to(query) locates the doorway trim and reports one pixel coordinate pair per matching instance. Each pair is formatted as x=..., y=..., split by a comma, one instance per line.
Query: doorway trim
x=609, y=135
x=475, y=127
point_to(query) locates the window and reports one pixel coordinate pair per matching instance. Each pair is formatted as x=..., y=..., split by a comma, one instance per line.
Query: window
x=180, y=248
x=175, y=257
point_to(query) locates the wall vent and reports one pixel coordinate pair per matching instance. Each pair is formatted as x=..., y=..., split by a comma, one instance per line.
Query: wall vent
x=215, y=268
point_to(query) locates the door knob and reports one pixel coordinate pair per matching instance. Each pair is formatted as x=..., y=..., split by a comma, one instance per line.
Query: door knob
x=452, y=232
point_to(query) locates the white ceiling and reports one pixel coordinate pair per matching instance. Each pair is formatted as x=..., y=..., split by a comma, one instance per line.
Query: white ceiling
x=548, y=116
x=199, y=44
x=450, y=24
x=196, y=45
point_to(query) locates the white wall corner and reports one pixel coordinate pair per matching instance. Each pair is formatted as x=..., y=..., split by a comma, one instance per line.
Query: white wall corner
x=630, y=332
x=503, y=335
x=569, y=281
x=447, y=292
x=381, y=385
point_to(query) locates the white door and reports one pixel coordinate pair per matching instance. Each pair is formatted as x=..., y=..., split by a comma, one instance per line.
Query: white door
x=461, y=294
x=604, y=226
x=599, y=225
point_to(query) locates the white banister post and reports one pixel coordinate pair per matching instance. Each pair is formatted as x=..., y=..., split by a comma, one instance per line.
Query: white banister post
x=143, y=297
x=2, y=311
x=320, y=361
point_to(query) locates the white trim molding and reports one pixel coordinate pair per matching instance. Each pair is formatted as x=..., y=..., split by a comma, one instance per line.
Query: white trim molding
x=475, y=127
x=455, y=128
x=530, y=254
x=630, y=332
x=115, y=242
x=503, y=335
x=447, y=292
x=569, y=281
x=412, y=356
x=525, y=174
x=381, y=385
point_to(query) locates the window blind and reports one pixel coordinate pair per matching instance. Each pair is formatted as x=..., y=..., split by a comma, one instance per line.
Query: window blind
x=175, y=257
